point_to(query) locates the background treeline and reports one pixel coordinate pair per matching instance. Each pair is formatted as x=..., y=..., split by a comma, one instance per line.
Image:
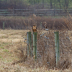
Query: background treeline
x=24, y=4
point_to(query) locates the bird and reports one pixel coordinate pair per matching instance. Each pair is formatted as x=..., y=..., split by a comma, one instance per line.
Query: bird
x=34, y=28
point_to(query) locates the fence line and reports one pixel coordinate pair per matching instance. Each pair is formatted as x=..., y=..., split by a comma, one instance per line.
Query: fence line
x=51, y=49
x=38, y=12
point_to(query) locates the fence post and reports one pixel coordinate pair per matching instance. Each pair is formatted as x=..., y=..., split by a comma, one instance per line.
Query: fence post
x=3, y=25
x=41, y=25
x=13, y=12
x=57, y=47
x=35, y=45
x=29, y=44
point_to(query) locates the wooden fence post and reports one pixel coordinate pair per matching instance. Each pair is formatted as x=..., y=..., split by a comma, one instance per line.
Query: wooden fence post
x=3, y=25
x=35, y=45
x=29, y=44
x=41, y=25
x=13, y=12
x=57, y=47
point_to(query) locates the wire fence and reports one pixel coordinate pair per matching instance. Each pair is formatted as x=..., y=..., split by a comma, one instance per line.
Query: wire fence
x=38, y=12
x=46, y=49
x=46, y=44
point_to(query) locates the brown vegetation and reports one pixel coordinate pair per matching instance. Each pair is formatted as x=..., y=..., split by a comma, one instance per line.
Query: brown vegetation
x=26, y=23
x=45, y=43
x=46, y=52
x=13, y=56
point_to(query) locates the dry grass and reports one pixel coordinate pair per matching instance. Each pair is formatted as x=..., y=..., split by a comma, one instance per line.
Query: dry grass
x=13, y=56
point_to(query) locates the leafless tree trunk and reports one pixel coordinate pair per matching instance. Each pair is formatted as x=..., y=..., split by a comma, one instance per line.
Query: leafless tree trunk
x=51, y=6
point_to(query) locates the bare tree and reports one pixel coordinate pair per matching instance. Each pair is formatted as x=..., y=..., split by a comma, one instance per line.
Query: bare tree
x=59, y=3
x=66, y=5
x=51, y=5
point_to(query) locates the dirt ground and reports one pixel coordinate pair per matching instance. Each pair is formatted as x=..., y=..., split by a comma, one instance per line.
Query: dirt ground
x=10, y=40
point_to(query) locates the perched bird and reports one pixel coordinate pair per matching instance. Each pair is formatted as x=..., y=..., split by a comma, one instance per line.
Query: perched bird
x=45, y=24
x=34, y=28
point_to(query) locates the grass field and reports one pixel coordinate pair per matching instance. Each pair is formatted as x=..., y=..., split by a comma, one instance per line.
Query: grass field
x=10, y=41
